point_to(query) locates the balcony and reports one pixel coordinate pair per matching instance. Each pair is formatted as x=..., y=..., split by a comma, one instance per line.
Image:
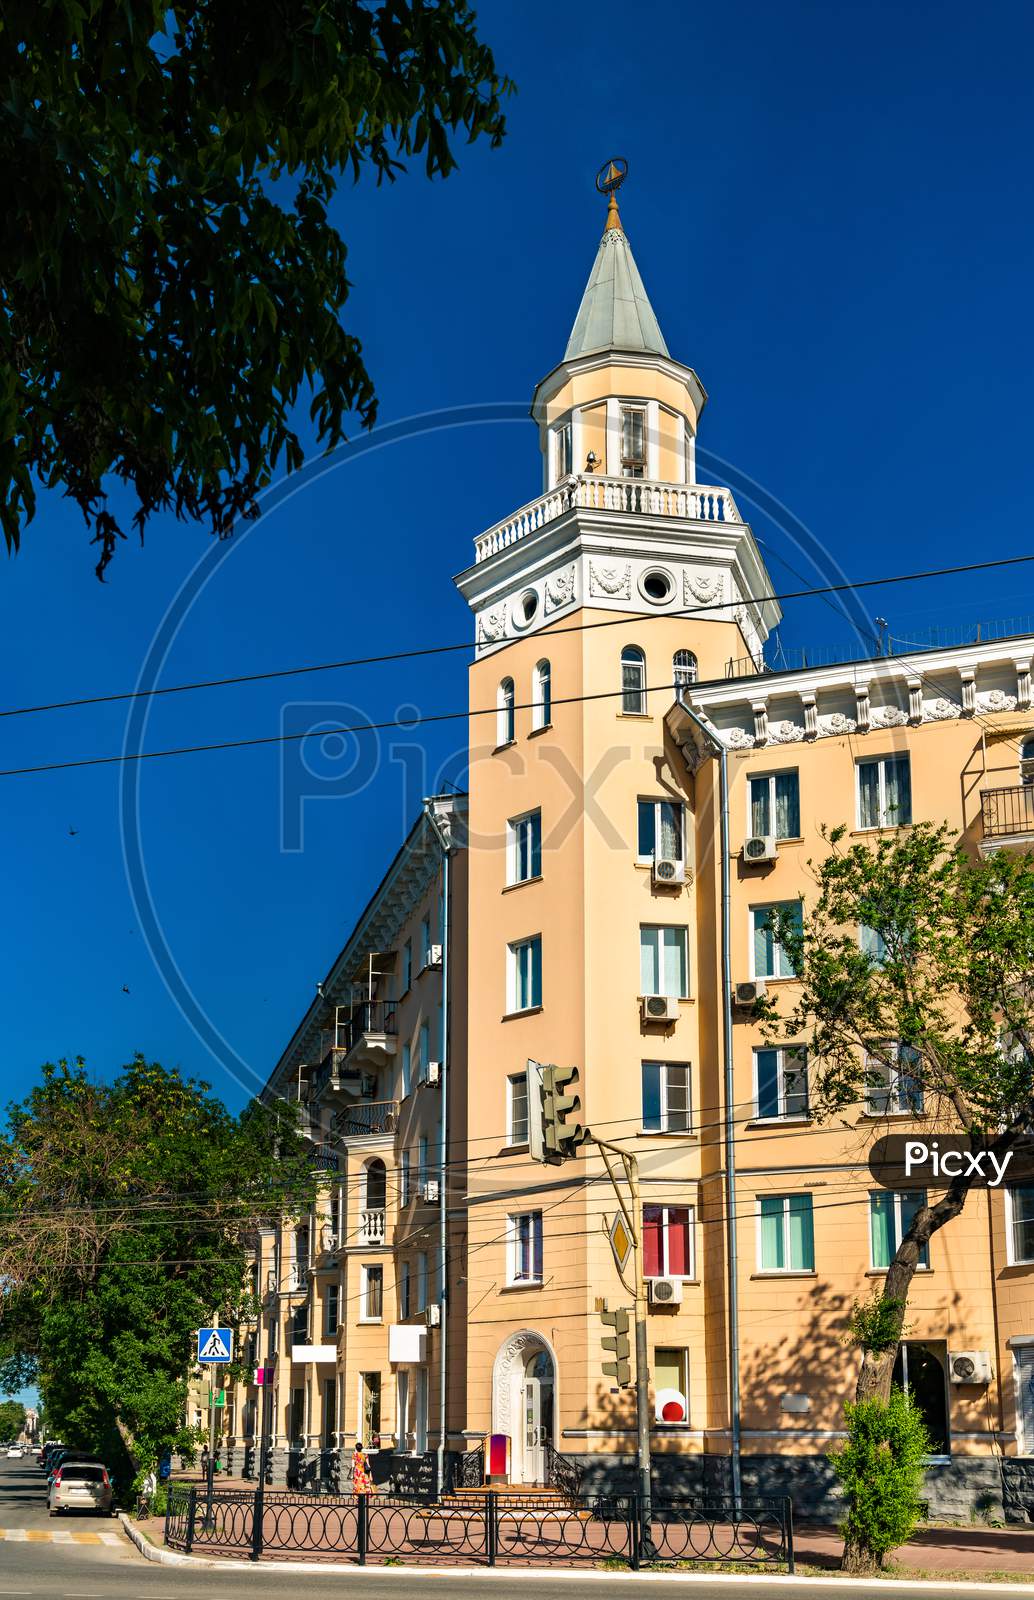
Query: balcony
x=372, y=1227
x=1008, y=818
x=364, y=1041
x=368, y=1119
x=325, y=1158
x=591, y=491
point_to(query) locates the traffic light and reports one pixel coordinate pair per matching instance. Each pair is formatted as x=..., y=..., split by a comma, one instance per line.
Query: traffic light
x=554, y=1133
x=620, y=1369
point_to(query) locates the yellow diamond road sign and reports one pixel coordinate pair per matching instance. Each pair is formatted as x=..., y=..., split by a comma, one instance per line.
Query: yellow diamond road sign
x=620, y=1241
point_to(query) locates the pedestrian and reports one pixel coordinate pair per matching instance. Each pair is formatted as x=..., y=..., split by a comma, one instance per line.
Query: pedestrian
x=204, y=1461
x=362, y=1478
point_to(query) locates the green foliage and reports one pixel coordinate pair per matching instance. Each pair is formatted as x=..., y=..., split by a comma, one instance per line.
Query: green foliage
x=880, y=1470
x=170, y=282
x=12, y=1418
x=126, y=1209
x=875, y=1324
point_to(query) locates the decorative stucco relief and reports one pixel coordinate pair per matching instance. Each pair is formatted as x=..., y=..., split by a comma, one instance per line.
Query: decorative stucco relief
x=559, y=589
x=706, y=588
x=610, y=579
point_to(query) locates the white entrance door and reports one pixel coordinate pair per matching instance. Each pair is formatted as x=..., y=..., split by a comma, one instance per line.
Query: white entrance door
x=1023, y=1359
x=534, y=1462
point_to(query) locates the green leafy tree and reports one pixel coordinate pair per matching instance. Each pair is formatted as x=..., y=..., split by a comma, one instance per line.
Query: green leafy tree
x=946, y=974
x=12, y=1418
x=880, y=1470
x=170, y=281
x=126, y=1211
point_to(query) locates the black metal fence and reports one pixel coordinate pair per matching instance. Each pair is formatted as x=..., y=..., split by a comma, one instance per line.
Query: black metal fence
x=480, y=1529
x=1007, y=811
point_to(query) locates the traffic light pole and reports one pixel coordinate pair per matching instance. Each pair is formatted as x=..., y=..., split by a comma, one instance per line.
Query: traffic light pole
x=638, y=1291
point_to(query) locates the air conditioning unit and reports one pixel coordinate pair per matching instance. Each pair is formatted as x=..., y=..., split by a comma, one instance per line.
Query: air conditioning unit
x=271, y=1281
x=328, y=1240
x=434, y=1072
x=665, y=1291
x=748, y=994
x=434, y=955
x=969, y=1366
x=433, y=1316
x=430, y=1191
x=668, y=873
x=760, y=848
x=659, y=1008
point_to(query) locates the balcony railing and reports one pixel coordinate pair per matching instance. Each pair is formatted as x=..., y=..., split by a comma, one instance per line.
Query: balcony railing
x=368, y=1118
x=1007, y=812
x=371, y=1228
x=371, y=1020
x=695, y=502
x=325, y=1157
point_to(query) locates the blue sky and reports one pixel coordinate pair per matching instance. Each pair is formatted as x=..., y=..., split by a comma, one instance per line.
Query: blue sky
x=831, y=210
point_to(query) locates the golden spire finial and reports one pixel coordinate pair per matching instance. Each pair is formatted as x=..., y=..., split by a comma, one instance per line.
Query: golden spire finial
x=610, y=177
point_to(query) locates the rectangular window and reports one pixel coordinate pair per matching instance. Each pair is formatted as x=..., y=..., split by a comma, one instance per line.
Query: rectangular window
x=890, y=1217
x=331, y=1304
x=407, y=1068
x=786, y=1235
x=525, y=847
x=421, y=1281
x=633, y=442
x=872, y=944
x=524, y=977
x=562, y=451
x=425, y=1052
x=666, y=1097
x=405, y=1291
x=371, y=1303
x=407, y=966
x=525, y=1247
x=517, y=1108
x=671, y=1373
x=425, y=942
x=775, y=805
x=660, y=831
x=668, y=1250
x=370, y=1405
x=892, y=1087
x=404, y=1194
x=1019, y=1219
x=769, y=957
x=780, y=1083
x=884, y=792
x=664, y=961
x=423, y=1162
x=1023, y=1366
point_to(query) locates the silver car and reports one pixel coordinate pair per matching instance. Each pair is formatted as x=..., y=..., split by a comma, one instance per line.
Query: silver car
x=80, y=1486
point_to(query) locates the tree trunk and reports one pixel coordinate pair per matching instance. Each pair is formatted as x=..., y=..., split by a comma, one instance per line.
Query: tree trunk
x=858, y=1559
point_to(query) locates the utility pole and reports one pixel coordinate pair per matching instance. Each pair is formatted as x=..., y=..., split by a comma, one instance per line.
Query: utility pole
x=211, y=1442
x=632, y=1214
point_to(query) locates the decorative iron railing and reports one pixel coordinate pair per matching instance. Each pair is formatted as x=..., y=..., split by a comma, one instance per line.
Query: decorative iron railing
x=562, y=1473
x=479, y=1529
x=367, y=1117
x=1007, y=811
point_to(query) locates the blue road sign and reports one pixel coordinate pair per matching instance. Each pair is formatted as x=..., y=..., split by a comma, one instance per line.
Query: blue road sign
x=215, y=1344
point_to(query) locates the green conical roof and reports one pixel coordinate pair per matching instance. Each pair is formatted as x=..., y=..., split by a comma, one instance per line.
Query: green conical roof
x=615, y=313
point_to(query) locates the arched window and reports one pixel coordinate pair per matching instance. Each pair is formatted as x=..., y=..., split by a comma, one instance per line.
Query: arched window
x=504, y=731
x=1027, y=762
x=376, y=1185
x=684, y=665
x=541, y=696
x=633, y=680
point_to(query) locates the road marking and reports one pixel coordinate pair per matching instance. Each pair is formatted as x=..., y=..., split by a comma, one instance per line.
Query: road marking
x=55, y=1536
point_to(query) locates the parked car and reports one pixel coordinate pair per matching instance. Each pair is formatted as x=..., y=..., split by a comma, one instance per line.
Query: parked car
x=66, y=1458
x=80, y=1486
x=37, y=1450
x=15, y=1452
x=48, y=1452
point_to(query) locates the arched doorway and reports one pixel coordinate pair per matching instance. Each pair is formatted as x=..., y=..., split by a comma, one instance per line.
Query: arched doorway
x=524, y=1404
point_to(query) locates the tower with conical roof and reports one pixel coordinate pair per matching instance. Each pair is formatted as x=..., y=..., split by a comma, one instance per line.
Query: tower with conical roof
x=623, y=578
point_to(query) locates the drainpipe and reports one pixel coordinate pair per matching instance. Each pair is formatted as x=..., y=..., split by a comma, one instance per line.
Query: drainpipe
x=717, y=749
x=442, y=836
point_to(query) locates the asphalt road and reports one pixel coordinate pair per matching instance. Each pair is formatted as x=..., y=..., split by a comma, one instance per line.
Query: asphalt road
x=67, y=1571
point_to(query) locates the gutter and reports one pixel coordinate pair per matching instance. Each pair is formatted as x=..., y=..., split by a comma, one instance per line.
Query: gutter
x=443, y=837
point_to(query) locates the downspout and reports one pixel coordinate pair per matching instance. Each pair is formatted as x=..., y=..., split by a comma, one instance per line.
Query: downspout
x=717, y=749
x=442, y=838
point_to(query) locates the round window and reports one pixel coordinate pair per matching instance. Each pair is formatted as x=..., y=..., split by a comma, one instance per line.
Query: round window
x=524, y=608
x=657, y=585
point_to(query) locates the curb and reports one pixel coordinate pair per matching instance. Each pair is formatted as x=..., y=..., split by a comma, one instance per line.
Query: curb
x=173, y=1558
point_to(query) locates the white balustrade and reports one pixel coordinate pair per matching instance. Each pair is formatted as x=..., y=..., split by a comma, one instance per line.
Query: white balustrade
x=694, y=502
x=371, y=1227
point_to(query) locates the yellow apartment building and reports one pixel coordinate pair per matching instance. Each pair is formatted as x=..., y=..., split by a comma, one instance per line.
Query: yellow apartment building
x=619, y=703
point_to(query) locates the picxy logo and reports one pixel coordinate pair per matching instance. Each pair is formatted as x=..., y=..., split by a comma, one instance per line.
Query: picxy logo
x=905, y=1160
x=929, y=1160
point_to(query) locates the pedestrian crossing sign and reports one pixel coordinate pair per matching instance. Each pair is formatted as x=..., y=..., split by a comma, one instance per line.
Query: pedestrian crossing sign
x=215, y=1344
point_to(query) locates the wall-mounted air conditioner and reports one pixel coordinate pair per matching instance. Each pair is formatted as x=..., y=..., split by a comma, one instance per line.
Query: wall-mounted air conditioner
x=969, y=1366
x=749, y=993
x=759, y=849
x=668, y=873
x=433, y=1316
x=659, y=1008
x=665, y=1291
x=430, y=1191
x=434, y=956
x=434, y=1072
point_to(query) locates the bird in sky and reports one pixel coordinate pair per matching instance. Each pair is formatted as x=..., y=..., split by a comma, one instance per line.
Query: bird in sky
x=72, y=831
x=125, y=988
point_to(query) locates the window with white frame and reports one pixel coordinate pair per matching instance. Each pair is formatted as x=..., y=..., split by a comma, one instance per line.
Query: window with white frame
x=370, y=1404
x=1023, y=1369
x=505, y=731
x=668, y=1241
x=872, y=944
x=524, y=974
x=561, y=452
x=684, y=668
x=664, y=961
x=407, y=966
x=660, y=830
x=541, y=696
x=423, y=1160
x=884, y=792
x=407, y=1068
x=890, y=1217
x=892, y=1084
x=775, y=804
x=633, y=681
x=524, y=1232
x=425, y=1052
x=331, y=1310
x=524, y=847
x=421, y=1281
x=1019, y=1222
x=780, y=1083
x=666, y=1105
x=425, y=942
x=371, y=1292
x=671, y=1377
x=633, y=442
x=404, y=1189
x=405, y=1286
x=517, y=1108
x=769, y=958
x=786, y=1233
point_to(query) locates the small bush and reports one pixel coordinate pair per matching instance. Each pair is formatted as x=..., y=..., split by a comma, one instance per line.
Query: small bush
x=880, y=1469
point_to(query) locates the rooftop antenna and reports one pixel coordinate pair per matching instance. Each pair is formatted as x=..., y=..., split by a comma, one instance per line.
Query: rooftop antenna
x=882, y=645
